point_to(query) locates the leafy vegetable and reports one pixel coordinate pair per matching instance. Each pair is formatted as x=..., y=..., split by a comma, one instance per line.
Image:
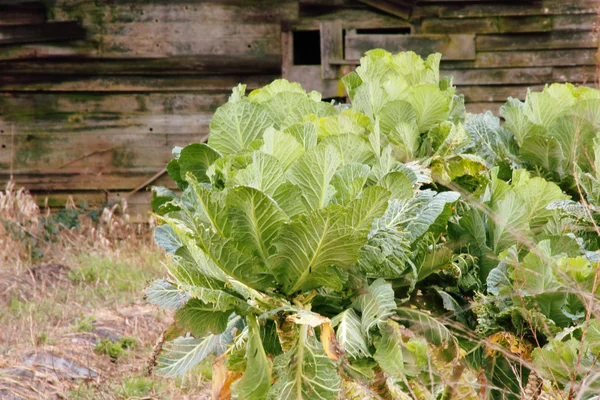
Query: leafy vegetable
x=391, y=248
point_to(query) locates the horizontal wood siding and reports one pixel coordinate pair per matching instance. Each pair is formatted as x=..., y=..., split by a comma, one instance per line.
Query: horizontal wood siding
x=94, y=94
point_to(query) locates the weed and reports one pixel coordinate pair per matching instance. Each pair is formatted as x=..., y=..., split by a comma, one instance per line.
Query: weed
x=41, y=338
x=135, y=386
x=84, y=324
x=115, y=349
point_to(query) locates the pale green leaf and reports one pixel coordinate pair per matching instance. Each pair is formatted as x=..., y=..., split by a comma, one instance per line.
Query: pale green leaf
x=312, y=173
x=201, y=318
x=508, y=222
x=376, y=305
x=352, y=148
x=282, y=146
x=372, y=204
x=256, y=381
x=305, y=372
x=237, y=124
x=265, y=173
x=256, y=218
x=183, y=353
x=431, y=106
x=388, y=350
x=311, y=250
x=165, y=295
x=350, y=335
x=277, y=86
x=349, y=181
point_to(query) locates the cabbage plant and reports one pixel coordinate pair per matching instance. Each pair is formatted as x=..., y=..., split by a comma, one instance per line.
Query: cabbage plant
x=301, y=232
x=391, y=248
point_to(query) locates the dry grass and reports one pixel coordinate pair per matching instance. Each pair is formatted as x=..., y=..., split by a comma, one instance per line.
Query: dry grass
x=71, y=286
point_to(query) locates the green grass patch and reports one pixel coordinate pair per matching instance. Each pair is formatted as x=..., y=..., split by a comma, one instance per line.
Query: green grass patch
x=115, y=349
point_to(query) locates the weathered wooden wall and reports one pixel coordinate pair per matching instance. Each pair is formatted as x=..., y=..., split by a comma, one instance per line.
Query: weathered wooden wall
x=493, y=49
x=94, y=94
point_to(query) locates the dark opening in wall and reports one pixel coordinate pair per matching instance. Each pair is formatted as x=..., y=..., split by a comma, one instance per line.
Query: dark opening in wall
x=385, y=31
x=307, y=47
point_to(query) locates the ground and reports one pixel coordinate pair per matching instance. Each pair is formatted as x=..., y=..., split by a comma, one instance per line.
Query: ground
x=74, y=321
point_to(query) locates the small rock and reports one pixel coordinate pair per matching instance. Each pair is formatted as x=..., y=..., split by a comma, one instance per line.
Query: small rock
x=17, y=372
x=63, y=367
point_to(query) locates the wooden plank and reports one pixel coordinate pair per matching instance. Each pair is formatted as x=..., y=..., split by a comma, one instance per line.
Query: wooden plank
x=44, y=32
x=206, y=64
x=390, y=7
x=32, y=51
x=550, y=41
x=487, y=25
x=481, y=94
x=533, y=58
x=586, y=75
x=575, y=22
x=498, y=9
x=33, y=12
x=524, y=24
x=353, y=19
x=80, y=180
x=165, y=83
x=332, y=48
x=462, y=25
x=48, y=105
x=61, y=199
x=287, y=53
x=453, y=47
x=108, y=124
x=479, y=108
x=500, y=76
x=156, y=40
x=247, y=11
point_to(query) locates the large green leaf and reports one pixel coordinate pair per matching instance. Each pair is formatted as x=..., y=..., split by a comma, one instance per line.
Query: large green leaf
x=288, y=108
x=245, y=267
x=183, y=353
x=264, y=173
x=166, y=295
x=256, y=381
x=417, y=214
x=536, y=193
x=305, y=372
x=431, y=105
x=349, y=181
x=351, y=148
x=372, y=204
x=201, y=318
x=196, y=158
x=256, y=218
x=424, y=323
x=311, y=250
x=313, y=173
x=237, y=124
x=283, y=146
x=508, y=222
